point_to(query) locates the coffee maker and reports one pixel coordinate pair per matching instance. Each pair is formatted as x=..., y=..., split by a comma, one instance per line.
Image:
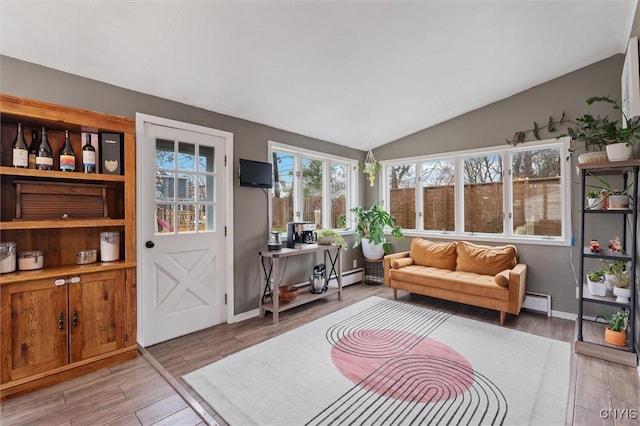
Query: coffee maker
x=300, y=234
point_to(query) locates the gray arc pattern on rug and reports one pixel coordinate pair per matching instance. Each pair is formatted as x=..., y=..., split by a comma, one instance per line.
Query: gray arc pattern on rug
x=415, y=385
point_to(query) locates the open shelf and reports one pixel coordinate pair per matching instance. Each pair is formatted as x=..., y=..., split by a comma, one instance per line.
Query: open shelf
x=593, y=344
x=53, y=174
x=304, y=296
x=54, y=224
x=58, y=271
x=604, y=300
x=606, y=254
x=590, y=334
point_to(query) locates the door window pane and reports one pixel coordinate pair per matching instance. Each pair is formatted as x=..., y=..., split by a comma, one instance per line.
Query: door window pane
x=312, y=190
x=438, y=192
x=186, y=156
x=187, y=187
x=338, y=193
x=402, y=195
x=483, y=186
x=206, y=188
x=206, y=156
x=537, y=192
x=165, y=218
x=165, y=156
x=164, y=186
x=187, y=218
x=282, y=199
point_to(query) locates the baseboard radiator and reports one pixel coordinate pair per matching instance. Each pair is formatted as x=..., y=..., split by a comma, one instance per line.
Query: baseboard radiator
x=348, y=277
x=538, y=302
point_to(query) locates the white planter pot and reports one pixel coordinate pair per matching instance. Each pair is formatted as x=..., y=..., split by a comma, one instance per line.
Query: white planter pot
x=372, y=251
x=622, y=294
x=597, y=289
x=619, y=152
x=592, y=157
x=618, y=201
x=595, y=203
x=611, y=281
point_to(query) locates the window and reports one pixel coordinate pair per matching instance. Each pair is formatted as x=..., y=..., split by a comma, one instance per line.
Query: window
x=310, y=187
x=184, y=187
x=402, y=194
x=438, y=195
x=483, y=192
x=501, y=194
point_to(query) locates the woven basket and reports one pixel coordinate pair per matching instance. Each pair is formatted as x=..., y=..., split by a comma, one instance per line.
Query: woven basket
x=325, y=241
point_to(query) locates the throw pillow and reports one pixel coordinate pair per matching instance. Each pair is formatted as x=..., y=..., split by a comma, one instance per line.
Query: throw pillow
x=399, y=263
x=437, y=254
x=485, y=260
x=502, y=278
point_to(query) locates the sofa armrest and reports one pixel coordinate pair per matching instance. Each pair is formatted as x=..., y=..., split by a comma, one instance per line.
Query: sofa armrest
x=387, y=264
x=517, y=287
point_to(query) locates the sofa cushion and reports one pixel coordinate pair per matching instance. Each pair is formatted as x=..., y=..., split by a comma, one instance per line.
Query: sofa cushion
x=436, y=254
x=458, y=281
x=485, y=260
x=502, y=278
x=403, y=261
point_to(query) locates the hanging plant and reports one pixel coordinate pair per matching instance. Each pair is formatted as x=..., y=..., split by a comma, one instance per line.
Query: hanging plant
x=370, y=167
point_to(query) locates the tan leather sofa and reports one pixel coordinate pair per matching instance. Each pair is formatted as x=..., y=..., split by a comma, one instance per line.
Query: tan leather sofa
x=484, y=276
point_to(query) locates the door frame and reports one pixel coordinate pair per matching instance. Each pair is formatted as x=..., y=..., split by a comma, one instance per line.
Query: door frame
x=141, y=119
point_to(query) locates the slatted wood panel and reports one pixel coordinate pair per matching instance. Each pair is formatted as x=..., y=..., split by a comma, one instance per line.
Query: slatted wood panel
x=60, y=200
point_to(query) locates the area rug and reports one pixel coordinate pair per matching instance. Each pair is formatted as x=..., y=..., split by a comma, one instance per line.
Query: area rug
x=382, y=362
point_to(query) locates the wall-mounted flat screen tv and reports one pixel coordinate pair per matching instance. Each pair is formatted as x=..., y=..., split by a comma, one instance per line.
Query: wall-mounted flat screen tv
x=256, y=174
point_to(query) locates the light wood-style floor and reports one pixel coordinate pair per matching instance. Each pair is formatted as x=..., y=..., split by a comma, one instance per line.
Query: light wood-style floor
x=135, y=393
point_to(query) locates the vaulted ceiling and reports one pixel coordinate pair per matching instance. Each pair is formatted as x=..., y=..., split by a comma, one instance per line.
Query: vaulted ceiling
x=356, y=73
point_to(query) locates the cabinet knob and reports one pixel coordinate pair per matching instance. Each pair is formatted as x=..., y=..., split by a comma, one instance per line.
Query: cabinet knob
x=149, y=244
x=60, y=281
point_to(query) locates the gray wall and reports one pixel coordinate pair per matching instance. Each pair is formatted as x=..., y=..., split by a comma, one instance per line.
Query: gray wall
x=550, y=269
x=250, y=141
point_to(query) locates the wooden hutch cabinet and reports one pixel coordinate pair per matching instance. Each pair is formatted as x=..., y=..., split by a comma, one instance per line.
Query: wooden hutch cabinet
x=65, y=319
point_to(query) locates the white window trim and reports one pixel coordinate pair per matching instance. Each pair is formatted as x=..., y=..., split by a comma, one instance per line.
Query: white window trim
x=507, y=237
x=299, y=153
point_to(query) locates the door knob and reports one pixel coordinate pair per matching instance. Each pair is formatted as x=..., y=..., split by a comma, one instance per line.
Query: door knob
x=149, y=244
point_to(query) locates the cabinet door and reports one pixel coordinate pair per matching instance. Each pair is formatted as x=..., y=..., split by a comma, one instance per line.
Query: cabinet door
x=34, y=328
x=96, y=314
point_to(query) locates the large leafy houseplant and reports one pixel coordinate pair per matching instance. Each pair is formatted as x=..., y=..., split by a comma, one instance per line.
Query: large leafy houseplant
x=371, y=224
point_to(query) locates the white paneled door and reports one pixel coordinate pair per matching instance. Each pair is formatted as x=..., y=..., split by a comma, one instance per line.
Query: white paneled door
x=182, y=219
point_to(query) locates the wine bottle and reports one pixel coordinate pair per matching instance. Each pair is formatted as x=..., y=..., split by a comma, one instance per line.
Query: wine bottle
x=20, y=150
x=88, y=156
x=44, y=158
x=66, y=155
x=33, y=149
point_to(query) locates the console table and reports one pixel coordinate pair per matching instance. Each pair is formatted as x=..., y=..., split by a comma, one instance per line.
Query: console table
x=269, y=263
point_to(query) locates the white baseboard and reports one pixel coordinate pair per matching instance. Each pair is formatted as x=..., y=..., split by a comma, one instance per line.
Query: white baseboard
x=564, y=315
x=246, y=315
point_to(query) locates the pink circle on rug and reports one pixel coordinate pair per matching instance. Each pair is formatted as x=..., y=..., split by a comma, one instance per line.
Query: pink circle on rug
x=425, y=371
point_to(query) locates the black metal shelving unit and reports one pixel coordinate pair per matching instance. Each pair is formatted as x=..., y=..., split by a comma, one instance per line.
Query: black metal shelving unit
x=591, y=345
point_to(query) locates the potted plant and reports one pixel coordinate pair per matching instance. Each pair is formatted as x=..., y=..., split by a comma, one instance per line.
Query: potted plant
x=595, y=200
x=622, y=283
x=595, y=282
x=370, y=225
x=613, y=198
x=618, y=138
x=610, y=271
x=615, y=333
x=330, y=236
